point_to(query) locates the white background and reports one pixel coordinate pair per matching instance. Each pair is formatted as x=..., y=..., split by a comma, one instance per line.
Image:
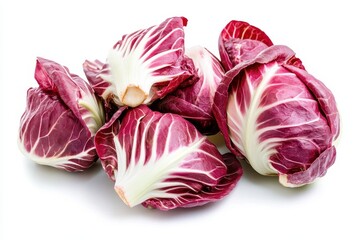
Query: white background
x=38, y=202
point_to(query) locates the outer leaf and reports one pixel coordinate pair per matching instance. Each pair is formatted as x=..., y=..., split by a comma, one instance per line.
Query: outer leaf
x=279, y=117
x=239, y=41
x=276, y=53
x=92, y=71
x=206, y=194
x=61, y=119
x=317, y=169
x=324, y=97
x=162, y=161
x=239, y=38
x=73, y=90
x=195, y=101
x=105, y=146
x=50, y=134
x=143, y=66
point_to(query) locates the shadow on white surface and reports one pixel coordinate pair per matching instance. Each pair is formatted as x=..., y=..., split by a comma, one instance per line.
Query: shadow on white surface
x=92, y=189
x=271, y=183
x=96, y=190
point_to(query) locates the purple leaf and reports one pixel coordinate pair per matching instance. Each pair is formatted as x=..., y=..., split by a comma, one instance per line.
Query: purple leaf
x=50, y=134
x=239, y=41
x=195, y=102
x=60, y=119
x=277, y=116
x=162, y=161
x=317, y=169
x=143, y=66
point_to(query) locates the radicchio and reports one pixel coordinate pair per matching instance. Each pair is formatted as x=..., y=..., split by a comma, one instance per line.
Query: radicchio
x=239, y=41
x=60, y=119
x=143, y=66
x=279, y=117
x=161, y=161
x=195, y=102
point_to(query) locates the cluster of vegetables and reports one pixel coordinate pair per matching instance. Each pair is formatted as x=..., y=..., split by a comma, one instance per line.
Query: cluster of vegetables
x=147, y=111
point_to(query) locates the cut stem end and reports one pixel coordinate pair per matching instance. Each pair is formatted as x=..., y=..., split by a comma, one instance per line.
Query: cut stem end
x=121, y=194
x=133, y=96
